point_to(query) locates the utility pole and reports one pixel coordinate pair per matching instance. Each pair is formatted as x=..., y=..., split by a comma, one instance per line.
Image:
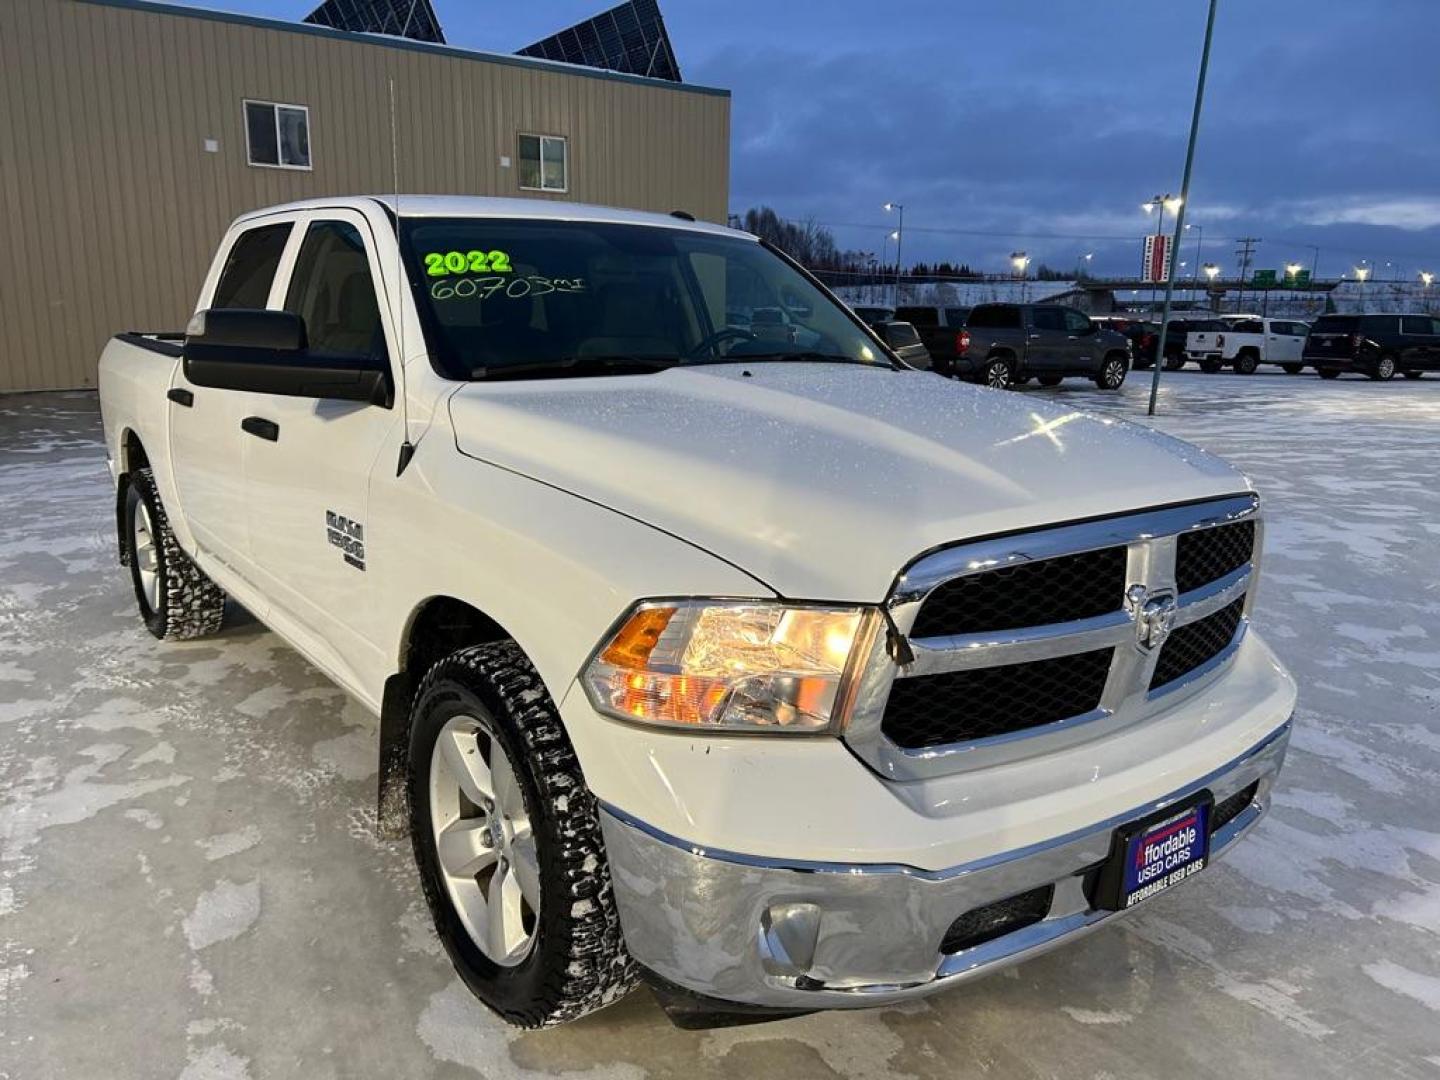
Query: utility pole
x=1244, y=253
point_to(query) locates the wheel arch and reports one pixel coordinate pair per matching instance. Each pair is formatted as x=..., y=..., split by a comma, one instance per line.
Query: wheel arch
x=436, y=627
x=132, y=457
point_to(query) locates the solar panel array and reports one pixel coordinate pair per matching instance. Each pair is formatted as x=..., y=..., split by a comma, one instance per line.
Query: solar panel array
x=414, y=19
x=630, y=37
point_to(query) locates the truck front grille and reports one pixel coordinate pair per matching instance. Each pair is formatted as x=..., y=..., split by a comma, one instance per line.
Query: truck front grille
x=961, y=706
x=1207, y=555
x=1026, y=634
x=1028, y=594
x=1191, y=646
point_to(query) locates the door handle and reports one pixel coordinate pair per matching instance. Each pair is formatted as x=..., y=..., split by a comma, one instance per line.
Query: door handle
x=261, y=428
x=180, y=396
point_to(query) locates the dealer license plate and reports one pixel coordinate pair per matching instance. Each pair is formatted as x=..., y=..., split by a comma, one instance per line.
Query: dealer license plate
x=1151, y=855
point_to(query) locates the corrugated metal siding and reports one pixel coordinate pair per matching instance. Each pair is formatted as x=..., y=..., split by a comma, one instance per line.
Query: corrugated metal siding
x=112, y=207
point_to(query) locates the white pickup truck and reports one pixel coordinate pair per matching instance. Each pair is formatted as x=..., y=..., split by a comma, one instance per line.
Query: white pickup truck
x=775, y=673
x=1244, y=342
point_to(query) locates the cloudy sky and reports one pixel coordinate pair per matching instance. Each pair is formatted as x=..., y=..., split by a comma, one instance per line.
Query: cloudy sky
x=1042, y=125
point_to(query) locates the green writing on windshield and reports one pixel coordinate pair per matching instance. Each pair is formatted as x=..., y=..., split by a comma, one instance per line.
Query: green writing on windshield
x=467, y=288
x=444, y=263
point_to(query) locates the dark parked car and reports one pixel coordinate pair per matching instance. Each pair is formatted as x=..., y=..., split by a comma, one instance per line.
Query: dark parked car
x=940, y=329
x=1005, y=344
x=1139, y=332
x=904, y=342
x=1374, y=345
x=872, y=315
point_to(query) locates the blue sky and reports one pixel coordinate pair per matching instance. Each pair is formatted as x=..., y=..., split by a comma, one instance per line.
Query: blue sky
x=1043, y=125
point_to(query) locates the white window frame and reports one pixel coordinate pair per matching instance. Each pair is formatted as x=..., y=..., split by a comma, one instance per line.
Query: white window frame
x=275, y=107
x=564, y=141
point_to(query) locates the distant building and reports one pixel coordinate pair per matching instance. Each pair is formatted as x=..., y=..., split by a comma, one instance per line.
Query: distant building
x=630, y=37
x=414, y=19
x=133, y=132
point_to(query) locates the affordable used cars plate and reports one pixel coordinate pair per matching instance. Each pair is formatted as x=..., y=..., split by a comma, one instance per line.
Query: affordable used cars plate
x=1150, y=855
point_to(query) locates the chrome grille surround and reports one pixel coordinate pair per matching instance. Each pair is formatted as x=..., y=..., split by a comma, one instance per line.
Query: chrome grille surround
x=1150, y=538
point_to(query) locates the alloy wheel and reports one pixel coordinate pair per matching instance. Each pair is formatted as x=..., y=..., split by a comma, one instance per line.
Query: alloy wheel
x=1385, y=368
x=997, y=375
x=1114, y=374
x=484, y=843
x=146, y=554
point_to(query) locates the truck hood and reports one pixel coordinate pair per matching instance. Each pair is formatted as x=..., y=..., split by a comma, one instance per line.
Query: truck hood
x=825, y=480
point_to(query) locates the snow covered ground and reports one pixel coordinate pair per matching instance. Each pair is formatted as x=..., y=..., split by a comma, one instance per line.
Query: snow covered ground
x=190, y=885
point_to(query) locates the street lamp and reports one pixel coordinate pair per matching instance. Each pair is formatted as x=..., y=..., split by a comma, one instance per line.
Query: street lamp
x=1426, y=277
x=899, y=237
x=1019, y=260
x=1199, y=241
x=1210, y=271
x=1291, y=270
x=1362, y=272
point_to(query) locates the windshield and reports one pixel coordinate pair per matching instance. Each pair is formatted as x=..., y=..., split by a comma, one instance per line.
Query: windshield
x=537, y=298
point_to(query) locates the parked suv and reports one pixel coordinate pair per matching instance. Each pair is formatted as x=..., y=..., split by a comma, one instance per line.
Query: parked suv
x=1005, y=344
x=940, y=329
x=1377, y=345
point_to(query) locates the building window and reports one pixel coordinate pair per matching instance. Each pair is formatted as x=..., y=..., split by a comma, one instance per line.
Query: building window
x=277, y=136
x=543, y=164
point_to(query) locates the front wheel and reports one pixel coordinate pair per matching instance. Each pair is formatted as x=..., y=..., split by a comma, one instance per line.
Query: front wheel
x=1384, y=369
x=997, y=374
x=507, y=841
x=1112, y=373
x=1292, y=369
x=177, y=600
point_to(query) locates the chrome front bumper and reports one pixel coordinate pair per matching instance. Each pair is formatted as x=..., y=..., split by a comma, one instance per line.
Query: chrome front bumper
x=791, y=934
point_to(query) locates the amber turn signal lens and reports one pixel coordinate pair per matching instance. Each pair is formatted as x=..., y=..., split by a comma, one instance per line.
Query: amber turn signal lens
x=636, y=640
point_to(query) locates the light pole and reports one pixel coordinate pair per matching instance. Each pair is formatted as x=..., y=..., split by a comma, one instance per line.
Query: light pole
x=1184, y=197
x=899, y=239
x=1199, y=242
x=1084, y=271
x=1361, y=273
x=1161, y=202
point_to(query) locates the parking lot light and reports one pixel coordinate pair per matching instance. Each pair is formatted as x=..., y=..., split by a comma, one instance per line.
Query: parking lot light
x=1362, y=272
x=1292, y=269
x=898, y=236
x=1019, y=260
x=1426, y=277
x=1211, y=270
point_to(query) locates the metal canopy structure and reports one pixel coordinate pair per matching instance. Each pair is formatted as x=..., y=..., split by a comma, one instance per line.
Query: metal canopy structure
x=630, y=37
x=413, y=19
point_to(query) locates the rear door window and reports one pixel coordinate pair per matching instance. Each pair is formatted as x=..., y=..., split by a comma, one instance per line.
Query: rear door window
x=955, y=316
x=1077, y=322
x=1336, y=324
x=1048, y=318
x=250, y=267
x=1249, y=326
x=995, y=317
x=1415, y=324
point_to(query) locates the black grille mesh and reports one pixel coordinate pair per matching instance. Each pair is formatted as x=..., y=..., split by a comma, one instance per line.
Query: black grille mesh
x=982, y=924
x=1029, y=594
x=1227, y=810
x=1208, y=554
x=958, y=706
x=1192, y=645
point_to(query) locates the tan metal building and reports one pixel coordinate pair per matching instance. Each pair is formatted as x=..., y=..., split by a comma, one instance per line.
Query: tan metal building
x=131, y=133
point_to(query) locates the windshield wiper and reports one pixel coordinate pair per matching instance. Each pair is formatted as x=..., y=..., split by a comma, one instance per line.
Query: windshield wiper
x=576, y=366
x=804, y=357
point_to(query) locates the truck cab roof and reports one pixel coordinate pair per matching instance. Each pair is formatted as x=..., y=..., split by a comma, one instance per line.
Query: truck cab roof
x=483, y=206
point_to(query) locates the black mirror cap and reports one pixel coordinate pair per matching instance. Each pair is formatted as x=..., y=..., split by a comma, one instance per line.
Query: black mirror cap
x=247, y=328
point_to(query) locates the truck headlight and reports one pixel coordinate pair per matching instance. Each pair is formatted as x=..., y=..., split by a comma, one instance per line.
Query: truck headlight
x=732, y=665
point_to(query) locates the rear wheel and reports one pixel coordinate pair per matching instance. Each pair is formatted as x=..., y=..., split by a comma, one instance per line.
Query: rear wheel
x=997, y=374
x=1247, y=362
x=1292, y=369
x=507, y=840
x=1384, y=369
x=177, y=600
x=1112, y=373
x=1328, y=373
x=1050, y=380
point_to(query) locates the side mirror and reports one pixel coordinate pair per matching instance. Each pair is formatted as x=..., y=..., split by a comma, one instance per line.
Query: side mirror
x=266, y=352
